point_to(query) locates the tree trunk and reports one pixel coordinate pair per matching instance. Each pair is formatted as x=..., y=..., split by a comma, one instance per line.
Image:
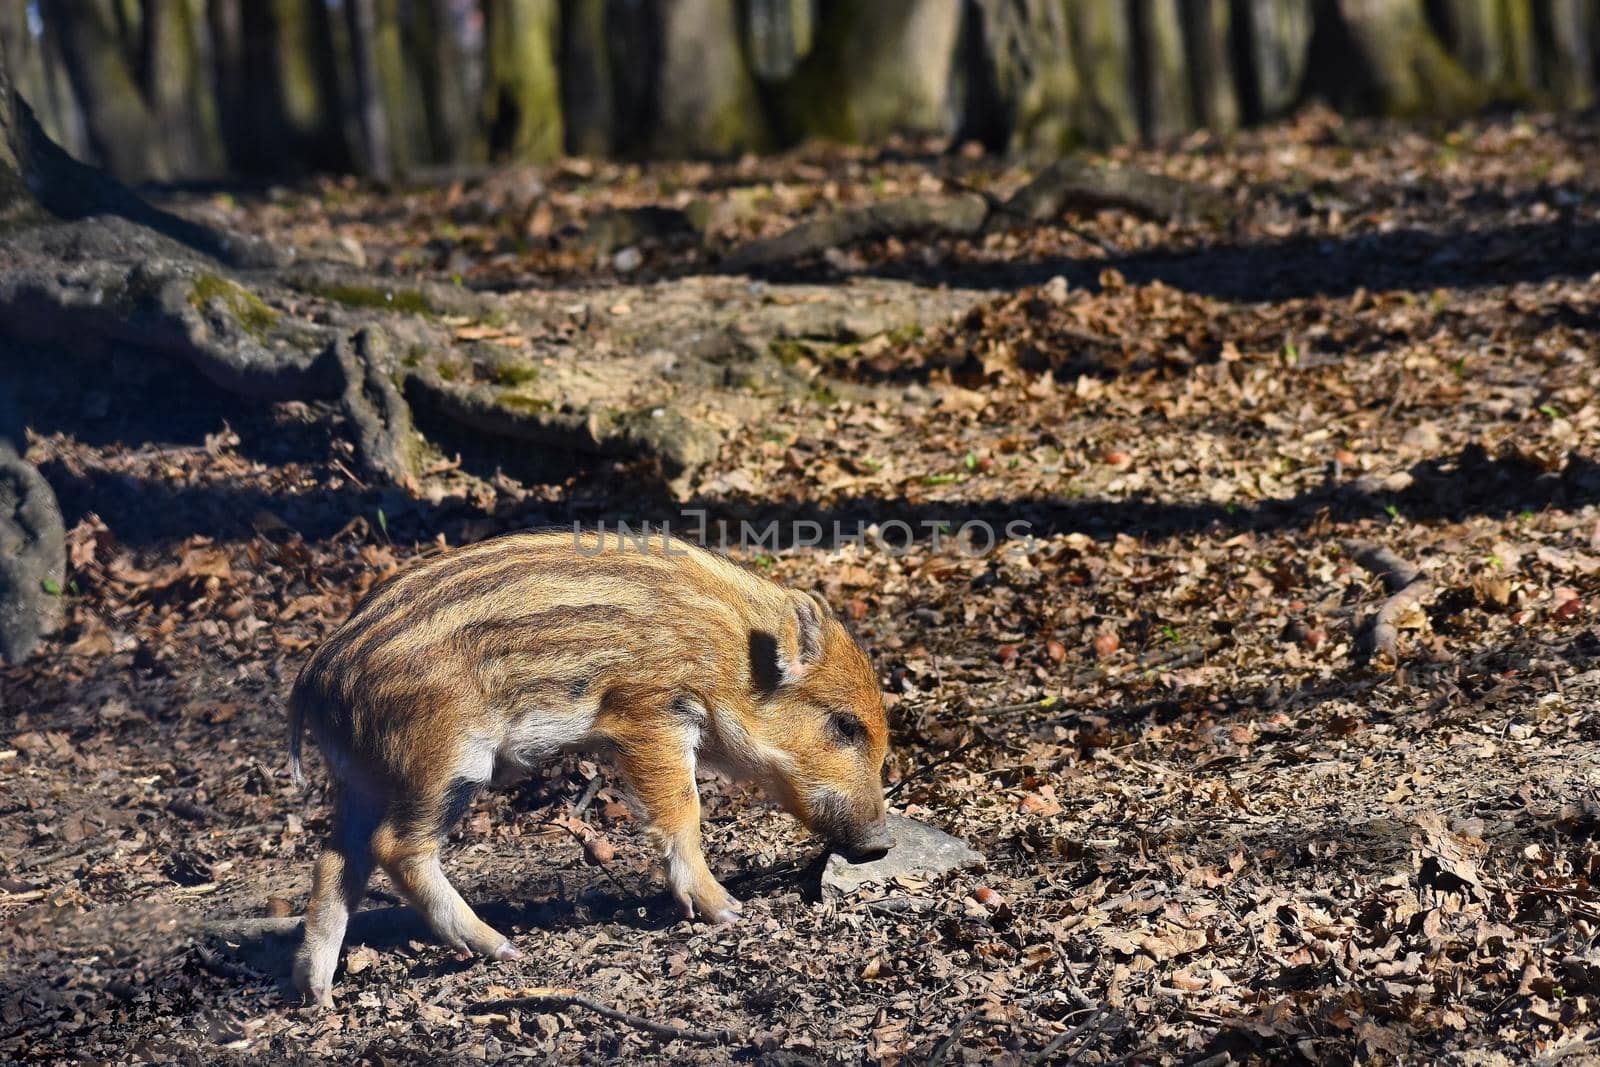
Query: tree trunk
x=98, y=50
x=1276, y=36
x=1493, y=40
x=377, y=156
x=179, y=89
x=1568, y=69
x=404, y=54
x=588, y=101
x=521, y=85
x=778, y=35
x=1396, y=65
x=876, y=69
x=706, y=95
x=1208, y=36
x=441, y=67
x=1101, y=38
x=16, y=202
x=1163, y=75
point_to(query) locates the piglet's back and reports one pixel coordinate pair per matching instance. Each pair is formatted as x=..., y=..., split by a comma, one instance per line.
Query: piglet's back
x=525, y=623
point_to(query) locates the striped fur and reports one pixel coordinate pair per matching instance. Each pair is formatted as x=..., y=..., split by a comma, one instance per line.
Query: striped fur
x=474, y=667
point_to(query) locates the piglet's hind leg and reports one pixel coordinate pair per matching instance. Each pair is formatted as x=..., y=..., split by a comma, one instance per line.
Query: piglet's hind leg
x=407, y=847
x=339, y=881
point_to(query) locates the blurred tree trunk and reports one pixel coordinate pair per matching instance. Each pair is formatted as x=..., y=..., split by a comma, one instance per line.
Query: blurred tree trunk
x=706, y=96
x=442, y=79
x=1208, y=36
x=1022, y=92
x=100, y=48
x=178, y=89
x=405, y=50
x=278, y=93
x=875, y=69
x=1564, y=28
x=16, y=202
x=1103, y=53
x=1493, y=40
x=1383, y=56
x=1275, y=37
x=377, y=157
x=1163, y=75
x=778, y=34
x=37, y=76
x=587, y=99
x=521, y=86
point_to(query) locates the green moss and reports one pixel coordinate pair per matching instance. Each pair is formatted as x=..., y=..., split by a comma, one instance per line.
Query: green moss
x=365, y=296
x=449, y=370
x=788, y=351
x=904, y=335
x=247, y=308
x=517, y=402
x=514, y=374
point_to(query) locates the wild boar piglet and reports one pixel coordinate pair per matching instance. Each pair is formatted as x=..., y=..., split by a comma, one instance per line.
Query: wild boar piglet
x=475, y=667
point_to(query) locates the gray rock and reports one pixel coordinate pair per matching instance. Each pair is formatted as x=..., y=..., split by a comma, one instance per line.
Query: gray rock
x=920, y=851
x=32, y=556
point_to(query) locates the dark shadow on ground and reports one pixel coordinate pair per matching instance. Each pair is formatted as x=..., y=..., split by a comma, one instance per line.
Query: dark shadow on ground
x=1301, y=266
x=1450, y=488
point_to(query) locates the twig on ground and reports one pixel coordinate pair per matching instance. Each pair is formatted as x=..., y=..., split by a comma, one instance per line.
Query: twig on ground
x=71, y=851
x=942, y=1049
x=1086, y=1028
x=546, y=997
x=1408, y=587
x=591, y=791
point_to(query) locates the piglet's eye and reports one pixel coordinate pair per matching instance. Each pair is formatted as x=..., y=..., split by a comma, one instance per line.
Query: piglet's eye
x=847, y=728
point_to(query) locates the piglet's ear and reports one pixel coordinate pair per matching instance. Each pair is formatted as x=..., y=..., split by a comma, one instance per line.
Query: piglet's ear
x=777, y=660
x=810, y=610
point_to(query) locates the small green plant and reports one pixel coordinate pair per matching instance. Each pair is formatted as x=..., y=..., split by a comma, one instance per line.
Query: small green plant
x=1549, y=411
x=51, y=586
x=940, y=479
x=1170, y=633
x=383, y=524
x=970, y=461
x=1291, y=354
x=1393, y=512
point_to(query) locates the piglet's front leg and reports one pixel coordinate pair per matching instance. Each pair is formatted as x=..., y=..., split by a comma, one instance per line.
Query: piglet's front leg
x=660, y=772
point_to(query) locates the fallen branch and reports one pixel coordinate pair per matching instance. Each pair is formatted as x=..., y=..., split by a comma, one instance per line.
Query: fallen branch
x=1378, y=639
x=888, y=218
x=545, y=996
x=1068, y=186
x=1074, y=186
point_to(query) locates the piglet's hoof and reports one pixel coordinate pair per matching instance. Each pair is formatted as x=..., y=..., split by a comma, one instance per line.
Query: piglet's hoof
x=507, y=951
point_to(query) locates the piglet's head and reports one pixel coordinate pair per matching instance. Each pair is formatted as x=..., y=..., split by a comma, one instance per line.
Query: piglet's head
x=820, y=724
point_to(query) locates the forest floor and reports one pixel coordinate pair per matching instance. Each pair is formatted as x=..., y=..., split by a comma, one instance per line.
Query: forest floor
x=1212, y=834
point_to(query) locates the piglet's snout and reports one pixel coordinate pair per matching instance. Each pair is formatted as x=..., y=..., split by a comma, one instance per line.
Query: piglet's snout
x=870, y=842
